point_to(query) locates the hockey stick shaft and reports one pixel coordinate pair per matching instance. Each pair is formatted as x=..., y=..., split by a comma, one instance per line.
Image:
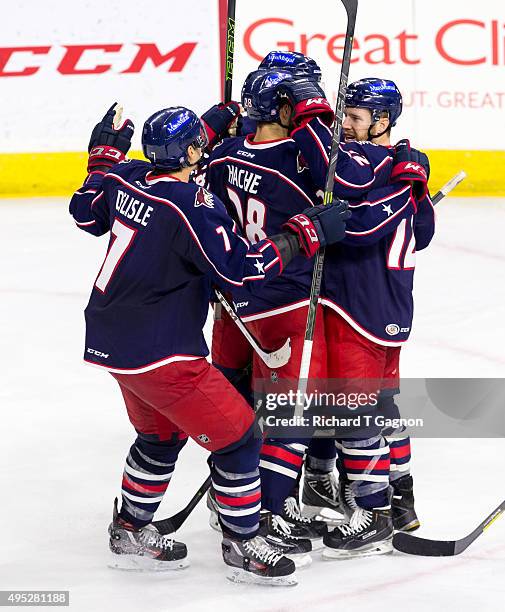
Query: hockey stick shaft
x=173, y=523
x=230, y=50
x=351, y=7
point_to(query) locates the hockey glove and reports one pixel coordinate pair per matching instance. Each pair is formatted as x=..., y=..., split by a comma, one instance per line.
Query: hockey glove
x=319, y=225
x=108, y=145
x=218, y=121
x=413, y=166
x=308, y=101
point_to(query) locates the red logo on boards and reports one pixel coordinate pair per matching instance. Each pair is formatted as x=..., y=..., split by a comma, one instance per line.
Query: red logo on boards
x=378, y=48
x=28, y=61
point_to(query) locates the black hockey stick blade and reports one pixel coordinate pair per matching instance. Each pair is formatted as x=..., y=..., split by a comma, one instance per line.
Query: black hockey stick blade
x=173, y=523
x=414, y=545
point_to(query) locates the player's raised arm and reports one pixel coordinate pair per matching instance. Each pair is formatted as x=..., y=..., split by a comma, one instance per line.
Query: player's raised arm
x=108, y=145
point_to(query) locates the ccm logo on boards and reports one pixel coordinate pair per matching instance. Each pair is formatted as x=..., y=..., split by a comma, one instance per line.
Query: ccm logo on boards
x=25, y=61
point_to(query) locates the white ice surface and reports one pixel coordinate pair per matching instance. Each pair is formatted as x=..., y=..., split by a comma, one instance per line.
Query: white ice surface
x=65, y=436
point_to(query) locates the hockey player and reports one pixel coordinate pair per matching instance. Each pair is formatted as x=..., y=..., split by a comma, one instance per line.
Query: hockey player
x=169, y=239
x=368, y=295
x=256, y=177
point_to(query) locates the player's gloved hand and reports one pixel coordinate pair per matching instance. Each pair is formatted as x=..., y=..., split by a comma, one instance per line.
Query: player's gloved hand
x=319, y=225
x=411, y=165
x=108, y=145
x=219, y=120
x=308, y=101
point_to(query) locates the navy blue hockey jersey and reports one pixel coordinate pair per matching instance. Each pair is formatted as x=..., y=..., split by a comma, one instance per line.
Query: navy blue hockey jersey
x=368, y=277
x=169, y=240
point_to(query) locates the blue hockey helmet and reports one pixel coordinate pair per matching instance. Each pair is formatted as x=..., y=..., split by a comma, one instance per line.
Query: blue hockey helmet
x=167, y=134
x=378, y=95
x=260, y=93
x=298, y=64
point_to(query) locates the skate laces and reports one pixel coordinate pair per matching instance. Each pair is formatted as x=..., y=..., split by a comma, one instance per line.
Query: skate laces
x=279, y=524
x=262, y=551
x=349, y=497
x=292, y=510
x=151, y=537
x=328, y=481
x=360, y=519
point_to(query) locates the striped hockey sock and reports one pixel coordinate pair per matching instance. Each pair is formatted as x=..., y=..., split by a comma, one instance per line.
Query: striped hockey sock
x=147, y=472
x=280, y=464
x=399, y=450
x=366, y=463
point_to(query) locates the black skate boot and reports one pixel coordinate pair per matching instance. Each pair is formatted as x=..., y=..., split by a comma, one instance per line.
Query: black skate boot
x=257, y=561
x=368, y=532
x=402, y=505
x=143, y=549
x=301, y=526
x=346, y=499
x=285, y=540
x=320, y=491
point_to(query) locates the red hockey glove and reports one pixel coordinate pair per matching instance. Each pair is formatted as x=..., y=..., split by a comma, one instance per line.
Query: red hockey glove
x=308, y=101
x=219, y=119
x=412, y=166
x=320, y=225
x=107, y=145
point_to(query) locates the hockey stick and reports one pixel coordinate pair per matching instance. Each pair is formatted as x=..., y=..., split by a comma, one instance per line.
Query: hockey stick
x=414, y=545
x=351, y=7
x=448, y=187
x=275, y=359
x=230, y=49
x=172, y=523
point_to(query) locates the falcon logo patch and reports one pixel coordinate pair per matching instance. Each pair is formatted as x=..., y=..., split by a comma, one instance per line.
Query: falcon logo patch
x=204, y=198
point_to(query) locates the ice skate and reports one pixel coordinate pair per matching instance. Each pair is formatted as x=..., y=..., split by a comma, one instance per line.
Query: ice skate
x=302, y=526
x=282, y=538
x=143, y=549
x=256, y=561
x=402, y=505
x=320, y=497
x=367, y=533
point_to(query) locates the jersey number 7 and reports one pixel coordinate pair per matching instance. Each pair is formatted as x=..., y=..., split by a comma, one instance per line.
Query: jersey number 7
x=123, y=238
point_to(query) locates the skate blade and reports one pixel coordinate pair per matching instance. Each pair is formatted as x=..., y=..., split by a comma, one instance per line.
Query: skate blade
x=240, y=576
x=136, y=563
x=300, y=561
x=384, y=548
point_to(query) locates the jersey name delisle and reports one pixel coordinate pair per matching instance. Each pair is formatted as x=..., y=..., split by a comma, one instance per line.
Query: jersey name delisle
x=132, y=208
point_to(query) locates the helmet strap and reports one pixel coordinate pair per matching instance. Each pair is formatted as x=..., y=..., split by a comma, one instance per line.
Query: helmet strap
x=375, y=118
